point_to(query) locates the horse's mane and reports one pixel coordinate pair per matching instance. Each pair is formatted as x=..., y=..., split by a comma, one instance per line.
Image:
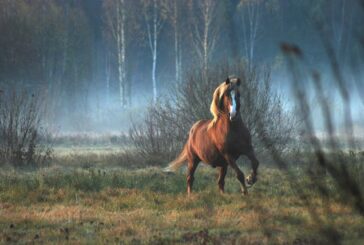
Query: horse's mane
x=215, y=108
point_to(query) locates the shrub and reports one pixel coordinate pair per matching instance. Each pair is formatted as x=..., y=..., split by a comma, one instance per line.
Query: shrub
x=21, y=130
x=166, y=125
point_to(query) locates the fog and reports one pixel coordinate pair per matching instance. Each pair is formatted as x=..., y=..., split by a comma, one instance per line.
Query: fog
x=99, y=64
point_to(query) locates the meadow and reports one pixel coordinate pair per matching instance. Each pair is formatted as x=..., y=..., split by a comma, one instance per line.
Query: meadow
x=99, y=200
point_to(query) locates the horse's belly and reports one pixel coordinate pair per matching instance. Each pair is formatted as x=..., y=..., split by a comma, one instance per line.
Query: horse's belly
x=209, y=154
x=212, y=157
x=205, y=153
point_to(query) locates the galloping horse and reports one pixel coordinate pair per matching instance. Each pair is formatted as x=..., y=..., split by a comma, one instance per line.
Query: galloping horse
x=219, y=142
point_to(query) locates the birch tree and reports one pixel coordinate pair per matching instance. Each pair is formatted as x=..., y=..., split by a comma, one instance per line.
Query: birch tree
x=204, y=30
x=174, y=9
x=341, y=19
x=250, y=14
x=117, y=21
x=52, y=41
x=338, y=14
x=334, y=19
x=107, y=75
x=154, y=17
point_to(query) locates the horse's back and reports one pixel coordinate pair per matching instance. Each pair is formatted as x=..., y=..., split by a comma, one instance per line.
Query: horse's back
x=197, y=125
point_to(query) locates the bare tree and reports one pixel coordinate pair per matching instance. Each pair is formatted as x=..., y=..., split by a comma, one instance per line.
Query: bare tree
x=154, y=16
x=50, y=49
x=117, y=22
x=205, y=30
x=341, y=19
x=250, y=13
x=174, y=9
x=108, y=75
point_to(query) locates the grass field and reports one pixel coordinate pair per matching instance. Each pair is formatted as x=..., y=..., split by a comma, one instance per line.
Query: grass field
x=108, y=204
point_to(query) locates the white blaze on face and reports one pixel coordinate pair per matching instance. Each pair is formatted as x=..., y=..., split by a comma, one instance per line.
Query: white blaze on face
x=232, y=109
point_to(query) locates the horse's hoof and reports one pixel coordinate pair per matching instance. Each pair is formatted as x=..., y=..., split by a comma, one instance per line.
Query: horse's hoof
x=251, y=180
x=244, y=191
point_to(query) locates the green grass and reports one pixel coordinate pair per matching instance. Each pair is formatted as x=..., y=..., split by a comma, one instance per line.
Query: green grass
x=114, y=205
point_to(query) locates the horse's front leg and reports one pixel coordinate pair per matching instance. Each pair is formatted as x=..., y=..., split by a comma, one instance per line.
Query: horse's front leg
x=252, y=178
x=221, y=181
x=239, y=174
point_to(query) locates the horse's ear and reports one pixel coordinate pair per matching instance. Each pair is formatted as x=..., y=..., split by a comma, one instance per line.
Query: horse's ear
x=238, y=82
x=227, y=81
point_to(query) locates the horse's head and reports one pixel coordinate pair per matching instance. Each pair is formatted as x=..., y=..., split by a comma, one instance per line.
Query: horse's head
x=226, y=99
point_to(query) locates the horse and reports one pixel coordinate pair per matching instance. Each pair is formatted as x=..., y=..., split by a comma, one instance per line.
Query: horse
x=219, y=142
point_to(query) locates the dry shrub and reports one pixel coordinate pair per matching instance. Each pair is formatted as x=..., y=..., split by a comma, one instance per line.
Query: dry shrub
x=89, y=139
x=23, y=140
x=166, y=125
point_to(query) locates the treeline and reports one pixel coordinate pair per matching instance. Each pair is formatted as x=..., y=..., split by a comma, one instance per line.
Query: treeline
x=86, y=54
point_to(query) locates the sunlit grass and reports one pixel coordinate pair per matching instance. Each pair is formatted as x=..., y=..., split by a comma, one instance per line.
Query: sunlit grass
x=148, y=206
x=90, y=156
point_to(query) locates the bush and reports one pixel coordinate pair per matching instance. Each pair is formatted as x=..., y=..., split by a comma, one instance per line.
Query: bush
x=21, y=130
x=166, y=125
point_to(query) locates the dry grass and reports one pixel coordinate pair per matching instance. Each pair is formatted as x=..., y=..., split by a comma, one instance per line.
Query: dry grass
x=147, y=206
x=86, y=156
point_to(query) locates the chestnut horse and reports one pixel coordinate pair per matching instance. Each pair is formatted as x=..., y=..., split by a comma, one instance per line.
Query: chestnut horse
x=219, y=142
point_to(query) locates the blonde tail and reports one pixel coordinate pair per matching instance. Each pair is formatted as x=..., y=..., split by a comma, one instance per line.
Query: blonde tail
x=178, y=162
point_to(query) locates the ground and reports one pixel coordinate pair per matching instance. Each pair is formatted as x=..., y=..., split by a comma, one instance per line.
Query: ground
x=111, y=204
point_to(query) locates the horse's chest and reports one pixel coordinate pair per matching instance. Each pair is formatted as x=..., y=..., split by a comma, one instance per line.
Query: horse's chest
x=233, y=143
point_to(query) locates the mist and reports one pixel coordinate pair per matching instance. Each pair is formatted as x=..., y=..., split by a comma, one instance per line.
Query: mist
x=98, y=65
x=111, y=110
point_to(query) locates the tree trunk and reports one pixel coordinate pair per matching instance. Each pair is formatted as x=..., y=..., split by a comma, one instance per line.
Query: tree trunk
x=176, y=55
x=107, y=77
x=205, y=32
x=154, y=52
x=205, y=46
x=120, y=36
x=177, y=43
x=250, y=29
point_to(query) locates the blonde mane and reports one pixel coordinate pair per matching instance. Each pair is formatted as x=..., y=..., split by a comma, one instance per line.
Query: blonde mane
x=214, y=108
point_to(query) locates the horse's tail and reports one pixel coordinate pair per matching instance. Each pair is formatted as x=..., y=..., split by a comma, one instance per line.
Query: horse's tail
x=178, y=162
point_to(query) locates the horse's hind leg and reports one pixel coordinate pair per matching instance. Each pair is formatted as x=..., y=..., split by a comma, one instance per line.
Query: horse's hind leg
x=221, y=181
x=239, y=174
x=192, y=165
x=252, y=178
